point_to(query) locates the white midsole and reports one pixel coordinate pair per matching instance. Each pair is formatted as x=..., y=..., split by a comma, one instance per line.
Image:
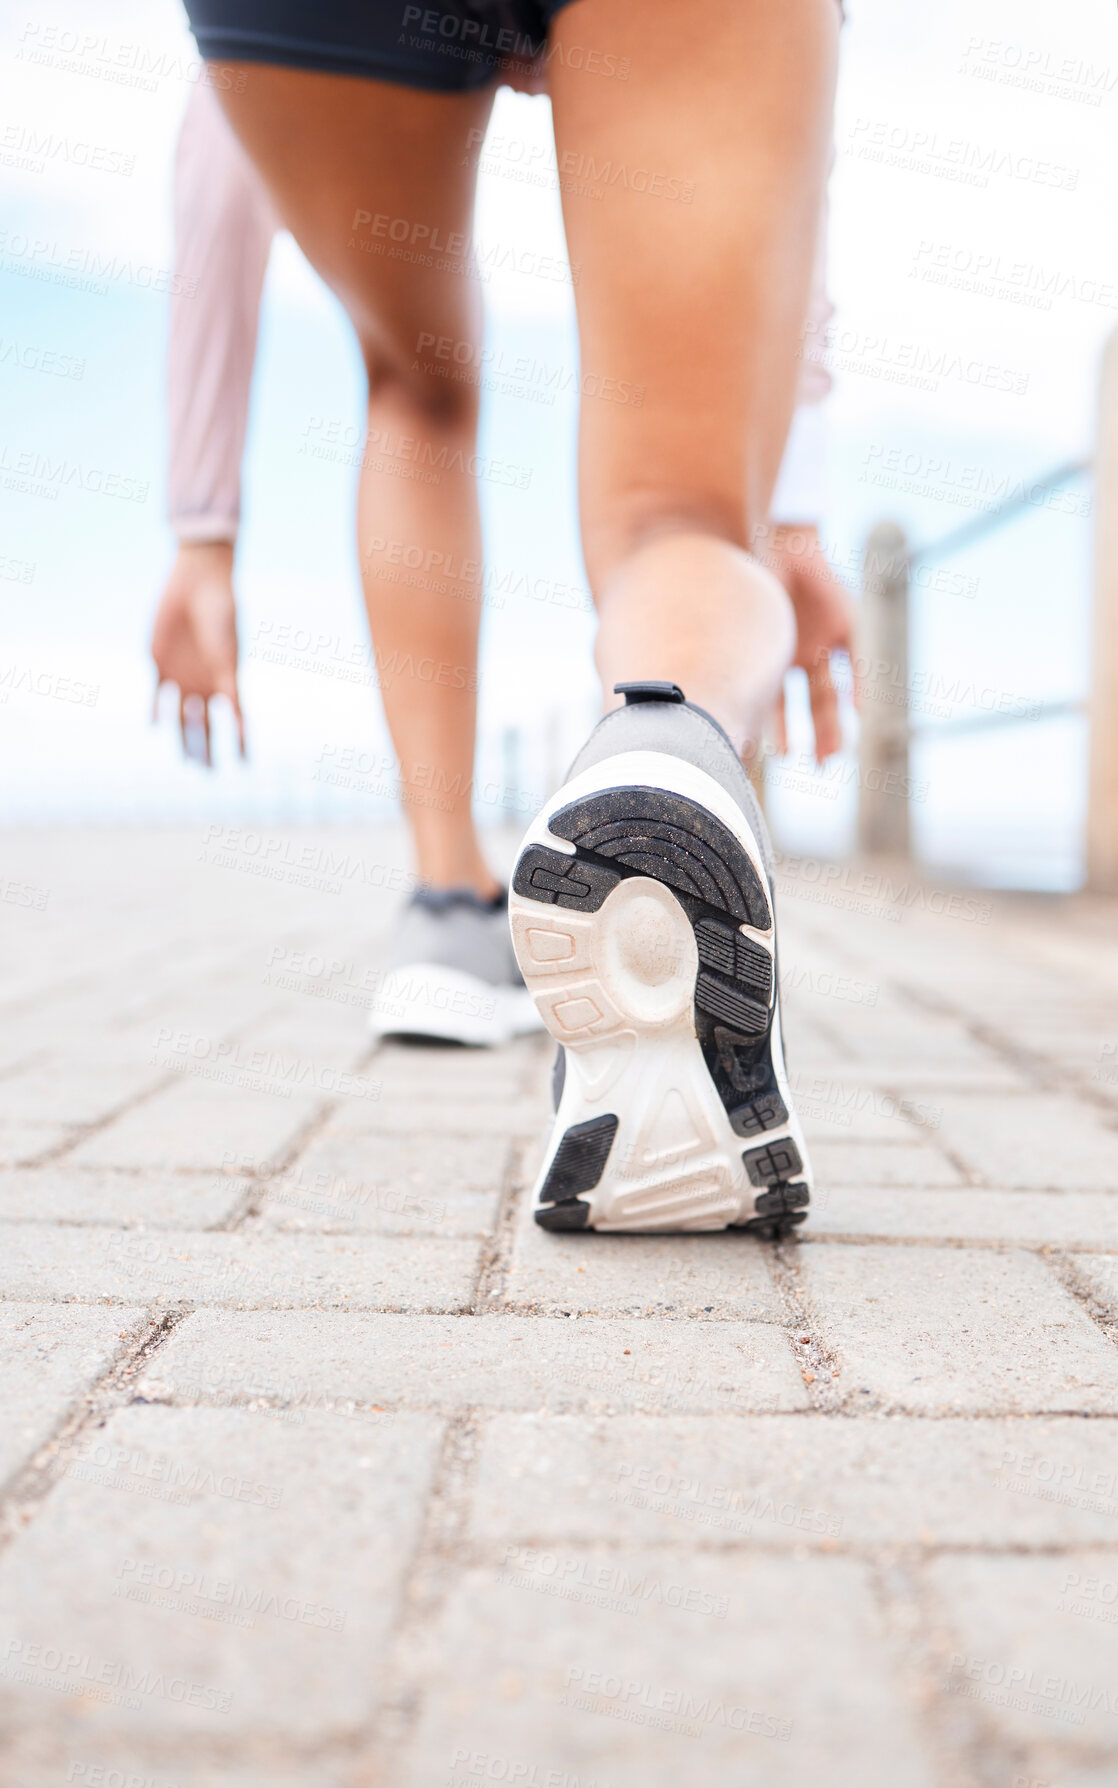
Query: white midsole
x=430, y=1000
x=632, y=1048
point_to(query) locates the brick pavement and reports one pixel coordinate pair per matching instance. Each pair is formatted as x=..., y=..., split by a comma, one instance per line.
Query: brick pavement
x=324, y=1468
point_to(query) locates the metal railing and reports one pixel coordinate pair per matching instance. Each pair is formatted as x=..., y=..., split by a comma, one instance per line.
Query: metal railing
x=888, y=729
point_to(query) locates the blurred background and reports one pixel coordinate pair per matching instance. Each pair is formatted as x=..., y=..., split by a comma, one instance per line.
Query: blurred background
x=974, y=289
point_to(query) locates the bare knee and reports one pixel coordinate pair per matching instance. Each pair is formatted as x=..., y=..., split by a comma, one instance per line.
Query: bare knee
x=415, y=385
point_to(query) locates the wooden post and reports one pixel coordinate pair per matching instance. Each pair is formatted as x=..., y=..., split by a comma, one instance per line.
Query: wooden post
x=1102, y=788
x=882, y=653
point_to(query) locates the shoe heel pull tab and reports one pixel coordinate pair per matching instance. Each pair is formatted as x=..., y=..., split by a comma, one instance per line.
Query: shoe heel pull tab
x=649, y=692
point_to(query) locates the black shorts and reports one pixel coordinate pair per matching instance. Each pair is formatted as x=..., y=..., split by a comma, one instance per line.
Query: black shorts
x=448, y=47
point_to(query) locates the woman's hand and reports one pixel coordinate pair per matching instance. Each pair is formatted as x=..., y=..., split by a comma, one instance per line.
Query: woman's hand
x=194, y=641
x=824, y=624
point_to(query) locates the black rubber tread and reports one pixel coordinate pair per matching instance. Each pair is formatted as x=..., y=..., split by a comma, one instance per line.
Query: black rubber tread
x=564, y=881
x=572, y=1215
x=724, y=949
x=741, y=1068
x=580, y=1159
x=773, y=1229
x=767, y=1113
x=723, y=1000
x=780, y=1200
x=774, y=1164
x=653, y=832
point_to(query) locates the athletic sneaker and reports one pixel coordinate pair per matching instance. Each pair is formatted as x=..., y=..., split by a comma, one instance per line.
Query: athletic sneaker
x=451, y=973
x=642, y=917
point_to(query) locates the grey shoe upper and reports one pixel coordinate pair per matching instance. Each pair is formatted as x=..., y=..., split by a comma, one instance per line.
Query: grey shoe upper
x=453, y=928
x=683, y=730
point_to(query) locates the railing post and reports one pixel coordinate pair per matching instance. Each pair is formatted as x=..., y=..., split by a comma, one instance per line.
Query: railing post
x=882, y=654
x=511, y=761
x=1102, y=788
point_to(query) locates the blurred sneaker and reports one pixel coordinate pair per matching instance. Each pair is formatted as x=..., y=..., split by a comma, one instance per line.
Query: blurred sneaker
x=451, y=974
x=642, y=915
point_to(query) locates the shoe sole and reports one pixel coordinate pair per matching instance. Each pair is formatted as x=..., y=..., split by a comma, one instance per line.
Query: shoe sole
x=642, y=920
x=444, y=1005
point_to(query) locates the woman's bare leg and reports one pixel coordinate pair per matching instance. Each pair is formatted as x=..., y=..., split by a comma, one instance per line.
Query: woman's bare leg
x=346, y=160
x=700, y=300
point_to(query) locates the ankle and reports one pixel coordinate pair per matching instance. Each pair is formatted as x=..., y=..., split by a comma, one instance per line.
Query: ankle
x=482, y=883
x=449, y=863
x=704, y=614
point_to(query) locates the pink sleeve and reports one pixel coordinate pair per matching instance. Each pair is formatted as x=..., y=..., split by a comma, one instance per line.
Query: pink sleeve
x=224, y=224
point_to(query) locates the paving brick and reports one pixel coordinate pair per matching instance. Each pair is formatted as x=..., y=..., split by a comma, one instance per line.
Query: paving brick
x=1098, y=1273
x=48, y=1357
x=796, y=1481
x=628, y=1275
x=651, y=1687
x=540, y=1080
x=73, y=1092
x=262, y=1271
x=194, y=1124
x=107, y=1195
x=838, y=1106
x=888, y=1032
x=674, y=1368
x=809, y=1050
x=1065, y=1771
x=360, y=1183
x=1046, y=1139
x=25, y=1142
x=1032, y=1650
x=161, y=1760
x=1083, y=1218
x=932, y=1081
x=430, y=1169
x=1083, y=1039
x=296, y=1203
x=880, y=1164
x=18, y=1049
x=928, y=1328
x=432, y=1074
x=517, y=1116
x=495, y=1362
x=256, y=1560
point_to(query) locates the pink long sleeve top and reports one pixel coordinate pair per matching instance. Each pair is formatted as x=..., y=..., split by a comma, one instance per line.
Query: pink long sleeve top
x=224, y=226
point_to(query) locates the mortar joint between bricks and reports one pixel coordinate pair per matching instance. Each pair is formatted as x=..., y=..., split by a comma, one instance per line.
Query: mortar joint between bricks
x=260, y=1178
x=818, y=1365
x=497, y=1249
x=426, y=1583
x=899, y=1587
x=909, y=1112
x=80, y=1133
x=1065, y=1268
x=112, y=1390
x=982, y=1752
x=1046, y=1073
